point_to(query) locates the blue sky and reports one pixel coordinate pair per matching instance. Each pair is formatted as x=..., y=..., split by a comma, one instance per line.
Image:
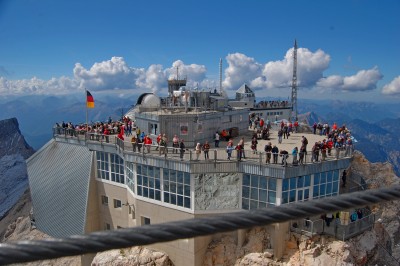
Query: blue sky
x=347, y=49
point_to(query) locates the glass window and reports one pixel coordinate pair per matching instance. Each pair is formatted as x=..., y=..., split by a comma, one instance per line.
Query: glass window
x=292, y=196
x=307, y=180
x=293, y=182
x=117, y=203
x=285, y=185
x=258, y=191
x=149, y=182
x=300, y=182
x=178, y=187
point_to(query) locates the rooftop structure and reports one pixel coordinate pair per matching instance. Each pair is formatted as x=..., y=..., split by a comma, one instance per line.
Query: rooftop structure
x=83, y=181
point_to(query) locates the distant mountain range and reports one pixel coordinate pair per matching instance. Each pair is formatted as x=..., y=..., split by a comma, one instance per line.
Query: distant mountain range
x=375, y=126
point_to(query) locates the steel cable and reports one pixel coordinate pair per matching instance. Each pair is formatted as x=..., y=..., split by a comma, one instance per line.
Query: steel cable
x=33, y=250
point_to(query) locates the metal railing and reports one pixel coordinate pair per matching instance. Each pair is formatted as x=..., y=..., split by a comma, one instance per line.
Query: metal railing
x=334, y=228
x=214, y=154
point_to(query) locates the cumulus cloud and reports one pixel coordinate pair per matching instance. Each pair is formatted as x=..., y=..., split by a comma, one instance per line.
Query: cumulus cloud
x=363, y=80
x=393, y=88
x=37, y=86
x=241, y=69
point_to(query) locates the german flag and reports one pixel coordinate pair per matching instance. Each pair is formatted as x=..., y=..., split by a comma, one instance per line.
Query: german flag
x=89, y=100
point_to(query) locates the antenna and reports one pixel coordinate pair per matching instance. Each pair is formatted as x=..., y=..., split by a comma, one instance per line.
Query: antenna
x=177, y=73
x=294, y=82
x=220, y=75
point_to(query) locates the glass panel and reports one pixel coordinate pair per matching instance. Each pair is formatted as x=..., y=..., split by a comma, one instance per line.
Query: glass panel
x=292, y=196
x=263, y=195
x=158, y=195
x=336, y=175
x=157, y=172
x=139, y=190
x=293, y=182
x=180, y=189
x=166, y=197
x=328, y=188
x=187, y=190
x=246, y=180
x=144, y=170
x=187, y=178
x=165, y=174
x=145, y=181
x=180, y=177
x=306, y=194
x=245, y=204
x=253, y=204
x=335, y=186
x=322, y=190
x=151, y=193
x=263, y=182
x=329, y=176
x=272, y=197
x=272, y=184
x=145, y=192
x=285, y=185
x=285, y=197
x=151, y=182
x=180, y=201
x=172, y=187
x=245, y=192
x=300, y=195
x=300, y=181
x=323, y=178
x=307, y=181
x=172, y=175
x=150, y=171
x=187, y=202
x=254, y=181
x=254, y=193
x=166, y=185
x=173, y=199
x=316, y=191
x=316, y=179
x=157, y=185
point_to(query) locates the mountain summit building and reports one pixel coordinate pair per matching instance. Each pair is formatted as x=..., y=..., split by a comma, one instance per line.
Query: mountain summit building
x=83, y=182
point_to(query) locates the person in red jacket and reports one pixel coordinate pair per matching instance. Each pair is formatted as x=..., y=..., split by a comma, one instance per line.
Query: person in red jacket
x=147, y=143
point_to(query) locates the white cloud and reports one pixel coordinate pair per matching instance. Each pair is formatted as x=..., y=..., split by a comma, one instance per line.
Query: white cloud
x=393, y=88
x=363, y=80
x=241, y=69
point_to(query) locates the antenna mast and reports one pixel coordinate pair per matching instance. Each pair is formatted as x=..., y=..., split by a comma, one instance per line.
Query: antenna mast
x=220, y=75
x=294, y=82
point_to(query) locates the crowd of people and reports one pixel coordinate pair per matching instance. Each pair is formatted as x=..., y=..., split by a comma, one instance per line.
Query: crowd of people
x=336, y=139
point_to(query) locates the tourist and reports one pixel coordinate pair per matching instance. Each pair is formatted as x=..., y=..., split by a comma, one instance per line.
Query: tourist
x=175, y=144
x=181, y=149
x=275, y=152
x=198, y=151
x=302, y=153
x=254, y=143
x=216, y=139
x=230, y=148
x=268, y=152
x=134, y=143
x=206, y=149
x=295, y=151
x=344, y=178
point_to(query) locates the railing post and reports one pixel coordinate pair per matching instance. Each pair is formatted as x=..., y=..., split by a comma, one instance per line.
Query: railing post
x=215, y=156
x=190, y=155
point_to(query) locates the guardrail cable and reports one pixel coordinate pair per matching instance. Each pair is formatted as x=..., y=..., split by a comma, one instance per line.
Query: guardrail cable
x=33, y=250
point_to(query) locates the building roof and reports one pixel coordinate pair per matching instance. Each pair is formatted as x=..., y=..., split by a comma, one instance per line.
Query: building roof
x=244, y=89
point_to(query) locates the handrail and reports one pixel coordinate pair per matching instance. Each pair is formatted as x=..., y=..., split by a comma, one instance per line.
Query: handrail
x=217, y=154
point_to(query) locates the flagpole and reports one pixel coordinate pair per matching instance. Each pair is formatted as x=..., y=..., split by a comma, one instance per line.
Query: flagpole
x=87, y=125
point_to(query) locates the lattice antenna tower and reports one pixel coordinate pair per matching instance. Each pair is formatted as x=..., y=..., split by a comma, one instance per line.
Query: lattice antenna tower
x=220, y=75
x=294, y=82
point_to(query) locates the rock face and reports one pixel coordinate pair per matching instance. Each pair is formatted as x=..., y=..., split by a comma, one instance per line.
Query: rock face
x=11, y=140
x=13, y=174
x=137, y=256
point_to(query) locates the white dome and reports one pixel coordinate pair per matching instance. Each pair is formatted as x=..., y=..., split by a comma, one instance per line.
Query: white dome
x=151, y=101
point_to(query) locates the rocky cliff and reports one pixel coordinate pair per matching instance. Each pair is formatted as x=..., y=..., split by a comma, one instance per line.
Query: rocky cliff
x=13, y=174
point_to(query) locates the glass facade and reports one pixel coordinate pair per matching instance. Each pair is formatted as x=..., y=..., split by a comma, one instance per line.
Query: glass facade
x=148, y=182
x=105, y=169
x=130, y=176
x=326, y=184
x=258, y=191
x=117, y=169
x=102, y=165
x=176, y=188
x=296, y=189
